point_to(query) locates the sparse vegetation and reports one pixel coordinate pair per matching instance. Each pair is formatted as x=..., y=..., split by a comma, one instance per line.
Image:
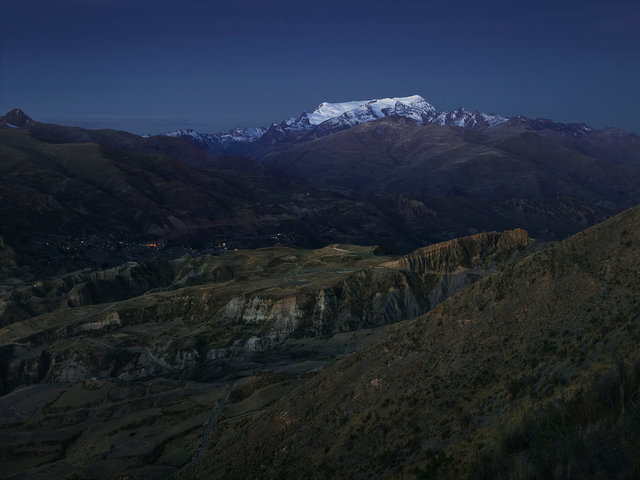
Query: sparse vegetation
x=542, y=383
x=594, y=434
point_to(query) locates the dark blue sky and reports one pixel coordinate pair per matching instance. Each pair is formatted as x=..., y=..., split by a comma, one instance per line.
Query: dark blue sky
x=153, y=65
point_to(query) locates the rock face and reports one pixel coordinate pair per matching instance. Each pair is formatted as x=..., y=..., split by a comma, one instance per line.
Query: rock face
x=85, y=288
x=466, y=252
x=365, y=299
x=160, y=317
x=16, y=118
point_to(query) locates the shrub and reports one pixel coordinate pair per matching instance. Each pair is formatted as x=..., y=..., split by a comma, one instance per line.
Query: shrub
x=594, y=435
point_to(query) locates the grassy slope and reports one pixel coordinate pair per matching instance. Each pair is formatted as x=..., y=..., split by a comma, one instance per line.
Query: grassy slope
x=528, y=373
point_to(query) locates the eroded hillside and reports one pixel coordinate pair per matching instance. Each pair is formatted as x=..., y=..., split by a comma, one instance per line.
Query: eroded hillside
x=168, y=341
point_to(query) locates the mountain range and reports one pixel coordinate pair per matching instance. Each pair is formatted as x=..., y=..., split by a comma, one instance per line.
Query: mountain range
x=409, y=147
x=330, y=118
x=396, y=181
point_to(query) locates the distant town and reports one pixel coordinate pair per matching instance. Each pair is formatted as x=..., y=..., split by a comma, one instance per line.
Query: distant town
x=108, y=251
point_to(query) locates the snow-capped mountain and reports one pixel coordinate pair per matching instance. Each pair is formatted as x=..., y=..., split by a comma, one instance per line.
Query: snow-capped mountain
x=221, y=141
x=414, y=107
x=462, y=117
x=329, y=118
x=572, y=129
x=333, y=117
x=240, y=134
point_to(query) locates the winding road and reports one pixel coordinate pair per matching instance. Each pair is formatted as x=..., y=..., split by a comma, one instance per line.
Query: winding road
x=212, y=421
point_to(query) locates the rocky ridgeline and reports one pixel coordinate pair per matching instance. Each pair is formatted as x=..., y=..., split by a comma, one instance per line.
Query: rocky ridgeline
x=85, y=287
x=467, y=252
x=255, y=321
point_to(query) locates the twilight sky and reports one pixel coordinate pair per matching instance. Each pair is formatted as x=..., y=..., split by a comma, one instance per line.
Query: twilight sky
x=149, y=66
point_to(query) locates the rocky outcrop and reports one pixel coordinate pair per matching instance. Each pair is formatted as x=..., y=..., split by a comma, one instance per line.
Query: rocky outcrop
x=23, y=366
x=16, y=118
x=466, y=252
x=111, y=321
x=369, y=298
x=87, y=287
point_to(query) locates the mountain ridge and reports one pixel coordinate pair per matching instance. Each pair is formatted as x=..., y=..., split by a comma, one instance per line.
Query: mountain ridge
x=331, y=117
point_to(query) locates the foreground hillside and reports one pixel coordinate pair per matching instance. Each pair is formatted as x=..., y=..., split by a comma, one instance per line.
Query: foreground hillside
x=532, y=372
